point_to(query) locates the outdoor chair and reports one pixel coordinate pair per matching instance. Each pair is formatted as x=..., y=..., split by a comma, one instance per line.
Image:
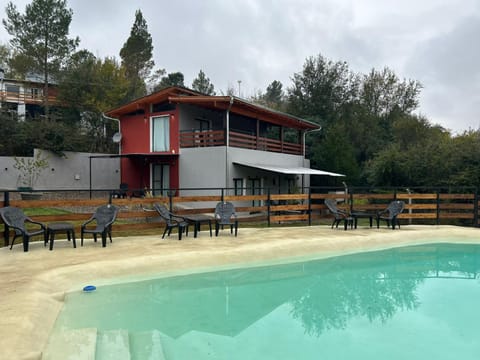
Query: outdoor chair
x=172, y=221
x=122, y=192
x=339, y=215
x=225, y=215
x=15, y=218
x=103, y=218
x=390, y=214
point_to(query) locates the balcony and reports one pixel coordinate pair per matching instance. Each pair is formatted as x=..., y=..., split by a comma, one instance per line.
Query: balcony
x=209, y=138
x=24, y=97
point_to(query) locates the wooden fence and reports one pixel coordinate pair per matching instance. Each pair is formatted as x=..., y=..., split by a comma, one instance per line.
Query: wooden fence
x=308, y=208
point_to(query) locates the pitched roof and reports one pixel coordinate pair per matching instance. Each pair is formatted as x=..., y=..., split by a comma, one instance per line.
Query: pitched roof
x=180, y=95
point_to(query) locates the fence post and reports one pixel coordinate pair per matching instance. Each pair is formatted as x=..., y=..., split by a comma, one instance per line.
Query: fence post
x=269, y=201
x=438, y=207
x=309, y=207
x=6, y=230
x=170, y=200
x=475, y=208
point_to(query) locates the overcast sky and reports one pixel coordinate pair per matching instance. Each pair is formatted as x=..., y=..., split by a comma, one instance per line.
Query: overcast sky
x=257, y=41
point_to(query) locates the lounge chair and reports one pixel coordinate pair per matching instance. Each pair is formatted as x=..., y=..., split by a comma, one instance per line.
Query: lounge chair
x=390, y=214
x=225, y=215
x=103, y=218
x=15, y=218
x=339, y=215
x=172, y=221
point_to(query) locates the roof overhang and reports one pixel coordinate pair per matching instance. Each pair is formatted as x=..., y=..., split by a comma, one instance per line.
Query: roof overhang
x=179, y=95
x=289, y=170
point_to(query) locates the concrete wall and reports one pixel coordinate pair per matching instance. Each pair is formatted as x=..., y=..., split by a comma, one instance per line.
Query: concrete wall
x=71, y=172
x=202, y=168
x=206, y=167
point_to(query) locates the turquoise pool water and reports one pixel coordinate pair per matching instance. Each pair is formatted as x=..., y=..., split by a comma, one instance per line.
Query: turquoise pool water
x=420, y=302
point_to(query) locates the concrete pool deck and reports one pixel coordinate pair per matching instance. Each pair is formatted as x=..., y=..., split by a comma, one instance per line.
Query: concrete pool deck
x=33, y=284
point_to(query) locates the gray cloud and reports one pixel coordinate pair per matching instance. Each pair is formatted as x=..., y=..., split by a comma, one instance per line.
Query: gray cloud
x=258, y=41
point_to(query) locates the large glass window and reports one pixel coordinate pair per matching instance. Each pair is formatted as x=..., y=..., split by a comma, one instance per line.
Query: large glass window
x=161, y=133
x=238, y=185
x=160, y=179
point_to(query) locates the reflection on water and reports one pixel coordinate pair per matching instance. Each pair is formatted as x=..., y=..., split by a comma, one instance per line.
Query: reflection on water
x=323, y=294
x=319, y=297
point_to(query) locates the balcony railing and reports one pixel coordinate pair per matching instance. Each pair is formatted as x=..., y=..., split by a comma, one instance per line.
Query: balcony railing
x=208, y=138
x=21, y=97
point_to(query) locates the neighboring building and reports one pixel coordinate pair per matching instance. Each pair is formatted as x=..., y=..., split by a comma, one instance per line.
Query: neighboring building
x=179, y=138
x=24, y=96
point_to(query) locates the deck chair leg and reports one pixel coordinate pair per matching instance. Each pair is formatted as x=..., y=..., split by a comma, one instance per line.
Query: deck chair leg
x=164, y=232
x=104, y=239
x=25, y=243
x=236, y=228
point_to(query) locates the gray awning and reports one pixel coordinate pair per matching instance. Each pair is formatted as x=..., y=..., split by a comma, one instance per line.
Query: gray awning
x=289, y=170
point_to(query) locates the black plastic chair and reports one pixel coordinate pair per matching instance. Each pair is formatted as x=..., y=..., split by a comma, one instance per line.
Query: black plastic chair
x=172, y=221
x=339, y=215
x=390, y=214
x=122, y=192
x=225, y=215
x=103, y=218
x=15, y=218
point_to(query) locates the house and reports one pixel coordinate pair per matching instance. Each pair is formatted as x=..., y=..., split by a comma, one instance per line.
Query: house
x=178, y=138
x=25, y=97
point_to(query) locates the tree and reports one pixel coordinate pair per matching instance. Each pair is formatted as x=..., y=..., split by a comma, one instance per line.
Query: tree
x=172, y=79
x=91, y=84
x=89, y=87
x=202, y=84
x=321, y=90
x=136, y=56
x=382, y=92
x=40, y=37
x=274, y=95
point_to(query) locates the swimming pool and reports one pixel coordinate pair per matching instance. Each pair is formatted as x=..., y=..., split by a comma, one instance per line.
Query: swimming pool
x=414, y=302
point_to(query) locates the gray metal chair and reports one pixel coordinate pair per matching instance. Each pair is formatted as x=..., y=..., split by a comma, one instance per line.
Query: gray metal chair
x=390, y=214
x=225, y=215
x=15, y=218
x=339, y=215
x=172, y=221
x=103, y=218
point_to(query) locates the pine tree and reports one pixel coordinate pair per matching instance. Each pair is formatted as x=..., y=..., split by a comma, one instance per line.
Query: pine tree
x=136, y=56
x=40, y=37
x=202, y=84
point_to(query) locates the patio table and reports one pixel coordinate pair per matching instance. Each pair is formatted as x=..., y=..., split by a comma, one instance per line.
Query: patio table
x=197, y=220
x=362, y=215
x=58, y=227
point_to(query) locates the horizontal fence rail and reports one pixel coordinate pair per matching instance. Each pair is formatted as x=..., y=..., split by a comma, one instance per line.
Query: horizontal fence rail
x=271, y=208
x=208, y=138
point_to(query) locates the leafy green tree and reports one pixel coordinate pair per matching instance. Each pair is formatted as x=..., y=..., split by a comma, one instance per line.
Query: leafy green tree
x=40, y=37
x=11, y=135
x=136, y=56
x=321, y=90
x=202, y=84
x=91, y=84
x=382, y=92
x=88, y=88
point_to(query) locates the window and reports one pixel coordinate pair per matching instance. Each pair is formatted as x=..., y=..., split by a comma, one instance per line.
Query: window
x=160, y=179
x=238, y=185
x=160, y=133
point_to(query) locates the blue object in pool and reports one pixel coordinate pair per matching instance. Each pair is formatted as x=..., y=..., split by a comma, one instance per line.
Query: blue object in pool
x=89, y=288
